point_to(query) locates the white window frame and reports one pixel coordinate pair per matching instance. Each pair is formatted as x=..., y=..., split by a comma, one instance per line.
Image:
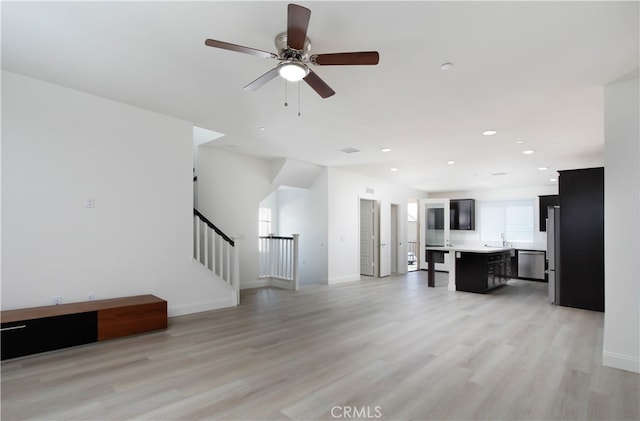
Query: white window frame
x=264, y=222
x=515, y=219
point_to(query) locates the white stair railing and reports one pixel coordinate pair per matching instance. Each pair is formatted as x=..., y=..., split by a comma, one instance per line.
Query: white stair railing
x=216, y=251
x=279, y=260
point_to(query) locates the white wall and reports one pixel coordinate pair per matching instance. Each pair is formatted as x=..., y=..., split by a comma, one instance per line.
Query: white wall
x=621, y=348
x=230, y=189
x=304, y=212
x=62, y=146
x=528, y=193
x=345, y=189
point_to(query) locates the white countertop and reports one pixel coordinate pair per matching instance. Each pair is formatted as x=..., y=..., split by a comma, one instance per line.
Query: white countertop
x=472, y=249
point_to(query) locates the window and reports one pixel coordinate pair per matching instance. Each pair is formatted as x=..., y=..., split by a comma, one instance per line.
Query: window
x=412, y=212
x=264, y=222
x=513, y=218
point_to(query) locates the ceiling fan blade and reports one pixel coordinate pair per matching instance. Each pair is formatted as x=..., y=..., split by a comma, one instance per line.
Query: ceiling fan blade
x=239, y=48
x=318, y=85
x=297, y=24
x=262, y=80
x=359, y=58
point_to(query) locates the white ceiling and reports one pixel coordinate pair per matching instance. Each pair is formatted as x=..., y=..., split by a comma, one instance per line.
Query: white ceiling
x=534, y=71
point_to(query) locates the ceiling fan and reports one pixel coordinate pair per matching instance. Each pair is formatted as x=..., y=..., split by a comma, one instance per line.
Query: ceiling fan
x=293, y=55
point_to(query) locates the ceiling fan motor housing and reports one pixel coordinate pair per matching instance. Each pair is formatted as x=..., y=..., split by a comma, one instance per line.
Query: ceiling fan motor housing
x=287, y=53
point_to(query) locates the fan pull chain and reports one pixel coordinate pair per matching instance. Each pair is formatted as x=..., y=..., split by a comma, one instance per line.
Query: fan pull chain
x=285, y=94
x=299, y=104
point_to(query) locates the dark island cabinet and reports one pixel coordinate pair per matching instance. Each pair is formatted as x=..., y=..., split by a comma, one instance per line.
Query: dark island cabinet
x=481, y=272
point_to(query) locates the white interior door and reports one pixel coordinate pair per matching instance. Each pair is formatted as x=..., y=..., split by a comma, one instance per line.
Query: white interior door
x=367, y=237
x=385, y=239
x=434, y=228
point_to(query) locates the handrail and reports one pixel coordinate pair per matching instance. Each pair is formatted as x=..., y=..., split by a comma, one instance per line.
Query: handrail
x=277, y=237
x=213, y=227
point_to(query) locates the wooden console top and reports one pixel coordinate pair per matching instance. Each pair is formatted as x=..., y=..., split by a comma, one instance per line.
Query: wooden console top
x=31, y=313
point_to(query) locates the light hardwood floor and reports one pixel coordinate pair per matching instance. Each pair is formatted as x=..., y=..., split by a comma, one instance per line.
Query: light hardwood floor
x=390, y=347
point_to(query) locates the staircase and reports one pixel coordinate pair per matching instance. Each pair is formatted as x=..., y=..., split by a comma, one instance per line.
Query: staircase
x=216, y=252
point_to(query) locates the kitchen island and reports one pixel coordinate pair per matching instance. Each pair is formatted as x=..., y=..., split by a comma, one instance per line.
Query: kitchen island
x=474, y=268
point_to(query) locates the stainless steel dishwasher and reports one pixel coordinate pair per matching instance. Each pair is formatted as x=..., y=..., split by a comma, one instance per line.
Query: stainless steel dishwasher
x=531, y=264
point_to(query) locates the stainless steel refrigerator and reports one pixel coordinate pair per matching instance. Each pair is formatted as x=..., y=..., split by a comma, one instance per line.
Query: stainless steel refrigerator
x=553, y=253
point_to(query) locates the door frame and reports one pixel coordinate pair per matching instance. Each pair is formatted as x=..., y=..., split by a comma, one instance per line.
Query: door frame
x=396, y=244
x=388, y=238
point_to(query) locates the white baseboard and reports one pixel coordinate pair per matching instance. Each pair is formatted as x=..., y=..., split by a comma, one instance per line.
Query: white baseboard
x=181, y=310
x=267, y=282
x=256, y=283
x=622, y=362
x=280, y=283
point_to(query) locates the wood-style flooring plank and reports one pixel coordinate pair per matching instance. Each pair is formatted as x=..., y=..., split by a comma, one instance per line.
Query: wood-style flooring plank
x=390, y=347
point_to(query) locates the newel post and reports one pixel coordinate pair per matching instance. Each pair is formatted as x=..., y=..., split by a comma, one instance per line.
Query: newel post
x=295, y=262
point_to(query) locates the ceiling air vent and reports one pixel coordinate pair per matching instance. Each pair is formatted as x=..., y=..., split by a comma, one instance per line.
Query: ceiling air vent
x=349, y=150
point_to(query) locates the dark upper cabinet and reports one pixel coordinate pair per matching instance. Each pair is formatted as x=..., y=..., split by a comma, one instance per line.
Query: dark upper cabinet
x=581, y=280
x=462, y=214
x=545, y=202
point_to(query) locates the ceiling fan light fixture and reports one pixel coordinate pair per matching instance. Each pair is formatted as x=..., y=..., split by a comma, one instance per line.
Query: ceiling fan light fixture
x=293, y=71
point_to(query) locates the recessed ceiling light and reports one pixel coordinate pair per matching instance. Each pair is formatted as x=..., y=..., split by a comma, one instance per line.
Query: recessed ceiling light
x=519, y=141
x=349, y=150
x=543, y=168
x=393, y=169
x=528, y=152
x=489, y=132
x=446, y=66
x=262, y=129
x=451, y=162
x=385, y=150
x=553, y=179
x=497, y=174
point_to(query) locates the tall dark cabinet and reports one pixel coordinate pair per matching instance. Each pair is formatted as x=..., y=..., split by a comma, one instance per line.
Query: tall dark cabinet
x=582, y=238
